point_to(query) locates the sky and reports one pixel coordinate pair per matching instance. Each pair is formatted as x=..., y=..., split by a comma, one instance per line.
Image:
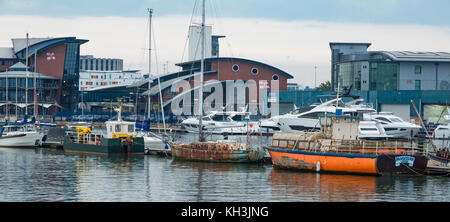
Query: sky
x=292, y=35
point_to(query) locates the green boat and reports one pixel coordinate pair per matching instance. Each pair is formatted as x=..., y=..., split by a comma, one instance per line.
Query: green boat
x=120, y=139
x=104, y=146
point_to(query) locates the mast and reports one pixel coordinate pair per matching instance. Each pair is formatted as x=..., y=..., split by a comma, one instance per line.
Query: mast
x=36, y=111
x=202, y=68
x=150, y=12
x=7, y=104
x=26, y=79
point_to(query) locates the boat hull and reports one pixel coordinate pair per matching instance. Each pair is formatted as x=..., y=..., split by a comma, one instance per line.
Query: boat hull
x=220, y=156
x=106, y=146
x=349, y=163
x=24, y=140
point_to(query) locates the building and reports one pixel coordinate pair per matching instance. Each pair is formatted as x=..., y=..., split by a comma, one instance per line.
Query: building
x=93, y=79
x=293, y=86
x=52, y=57
x=89, y=63
x=17, y=92
x=353, y=65
x=388, y=80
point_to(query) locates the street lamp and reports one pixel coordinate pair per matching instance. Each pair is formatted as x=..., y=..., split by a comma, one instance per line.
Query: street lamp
x=315, y=76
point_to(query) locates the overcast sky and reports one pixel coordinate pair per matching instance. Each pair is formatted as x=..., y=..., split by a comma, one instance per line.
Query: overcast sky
x=292, y=35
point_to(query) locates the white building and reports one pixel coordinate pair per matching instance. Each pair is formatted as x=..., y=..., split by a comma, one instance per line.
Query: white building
x=93, y=79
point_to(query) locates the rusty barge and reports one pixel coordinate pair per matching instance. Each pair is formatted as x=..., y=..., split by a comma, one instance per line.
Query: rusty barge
x=220, y=151
x=339, y=148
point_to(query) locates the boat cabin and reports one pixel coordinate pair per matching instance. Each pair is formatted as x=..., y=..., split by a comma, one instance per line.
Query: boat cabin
x=119, y=129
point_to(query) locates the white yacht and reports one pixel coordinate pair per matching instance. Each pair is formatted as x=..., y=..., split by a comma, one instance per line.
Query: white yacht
x=443, y=130
x=308, y=120
x=395, y=126
x=20, y=136
x=221, y=122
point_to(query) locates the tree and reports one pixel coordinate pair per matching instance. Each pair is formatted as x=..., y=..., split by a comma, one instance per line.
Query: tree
x=325, y=86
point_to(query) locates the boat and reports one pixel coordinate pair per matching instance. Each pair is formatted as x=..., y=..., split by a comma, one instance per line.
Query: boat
x=395, y=126
x=337, y=148
x=443, y=130
x=217, y=151
x=308, y=120
x=154, y=144
x=222, y=122
x=120, y=139
x=221, y=151
x=21, y=135
x=441, y=139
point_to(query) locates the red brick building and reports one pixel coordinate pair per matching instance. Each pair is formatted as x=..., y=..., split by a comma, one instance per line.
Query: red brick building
x=222, y=69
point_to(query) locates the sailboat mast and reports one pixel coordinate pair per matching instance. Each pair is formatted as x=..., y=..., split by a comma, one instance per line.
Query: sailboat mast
x=36, y=111
x=26, y=79
x=150, y=12
x=202, y=69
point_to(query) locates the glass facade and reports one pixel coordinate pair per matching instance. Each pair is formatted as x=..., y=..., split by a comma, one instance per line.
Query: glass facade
x=69, y=86
x=349, y=74
x=383, y=76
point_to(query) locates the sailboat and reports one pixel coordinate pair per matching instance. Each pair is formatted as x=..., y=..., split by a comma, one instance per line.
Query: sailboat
x=218, y=151
x=154, y=144
x=23, y=134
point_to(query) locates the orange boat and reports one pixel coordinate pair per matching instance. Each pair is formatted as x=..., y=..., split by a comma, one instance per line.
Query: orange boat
x=337, y=148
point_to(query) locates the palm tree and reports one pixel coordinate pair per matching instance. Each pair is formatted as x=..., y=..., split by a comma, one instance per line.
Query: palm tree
x=325, y=86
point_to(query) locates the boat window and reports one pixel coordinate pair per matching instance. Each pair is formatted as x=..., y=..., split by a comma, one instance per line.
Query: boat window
x=130, y=128
x=442, y=128
x=313, y=115
x=219, y=117
x=238, y=117
x=395, y=119
x=369, y=129
x=383, y=119
x=118, y=128
x=275, y=143
x=283, y=143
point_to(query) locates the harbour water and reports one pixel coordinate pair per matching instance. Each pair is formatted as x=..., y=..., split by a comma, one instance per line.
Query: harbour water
x=50, y=175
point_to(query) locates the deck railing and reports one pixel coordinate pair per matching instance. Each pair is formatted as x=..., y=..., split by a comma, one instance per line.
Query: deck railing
x=375, y=147
x=85, y=138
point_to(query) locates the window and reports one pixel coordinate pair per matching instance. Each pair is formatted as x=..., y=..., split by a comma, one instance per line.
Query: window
x=130, y=128
x=118, y=128
x=2, y=63
x=255, y=71
x=417, y=85
x=418, y=69
x=235, y=68
x=275, y=77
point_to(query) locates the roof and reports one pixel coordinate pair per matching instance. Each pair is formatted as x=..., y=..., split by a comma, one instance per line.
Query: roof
x=7, y=53
x=22, y=74
x=240, y=59
x=418, y=56
x=351, y=43
x=20, y=44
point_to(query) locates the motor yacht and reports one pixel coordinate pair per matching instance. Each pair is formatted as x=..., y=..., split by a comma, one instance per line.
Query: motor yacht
x=222, y=122
x=395, y=126
x=308, y=120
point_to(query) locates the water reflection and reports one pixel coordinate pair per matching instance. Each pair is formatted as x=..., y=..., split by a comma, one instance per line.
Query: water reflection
x=50, y=175
x=304, y=186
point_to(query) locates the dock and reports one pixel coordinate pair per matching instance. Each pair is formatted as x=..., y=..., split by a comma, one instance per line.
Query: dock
x=52, y=145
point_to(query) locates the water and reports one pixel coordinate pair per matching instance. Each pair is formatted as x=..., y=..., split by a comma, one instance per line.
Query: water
x=51, y=175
